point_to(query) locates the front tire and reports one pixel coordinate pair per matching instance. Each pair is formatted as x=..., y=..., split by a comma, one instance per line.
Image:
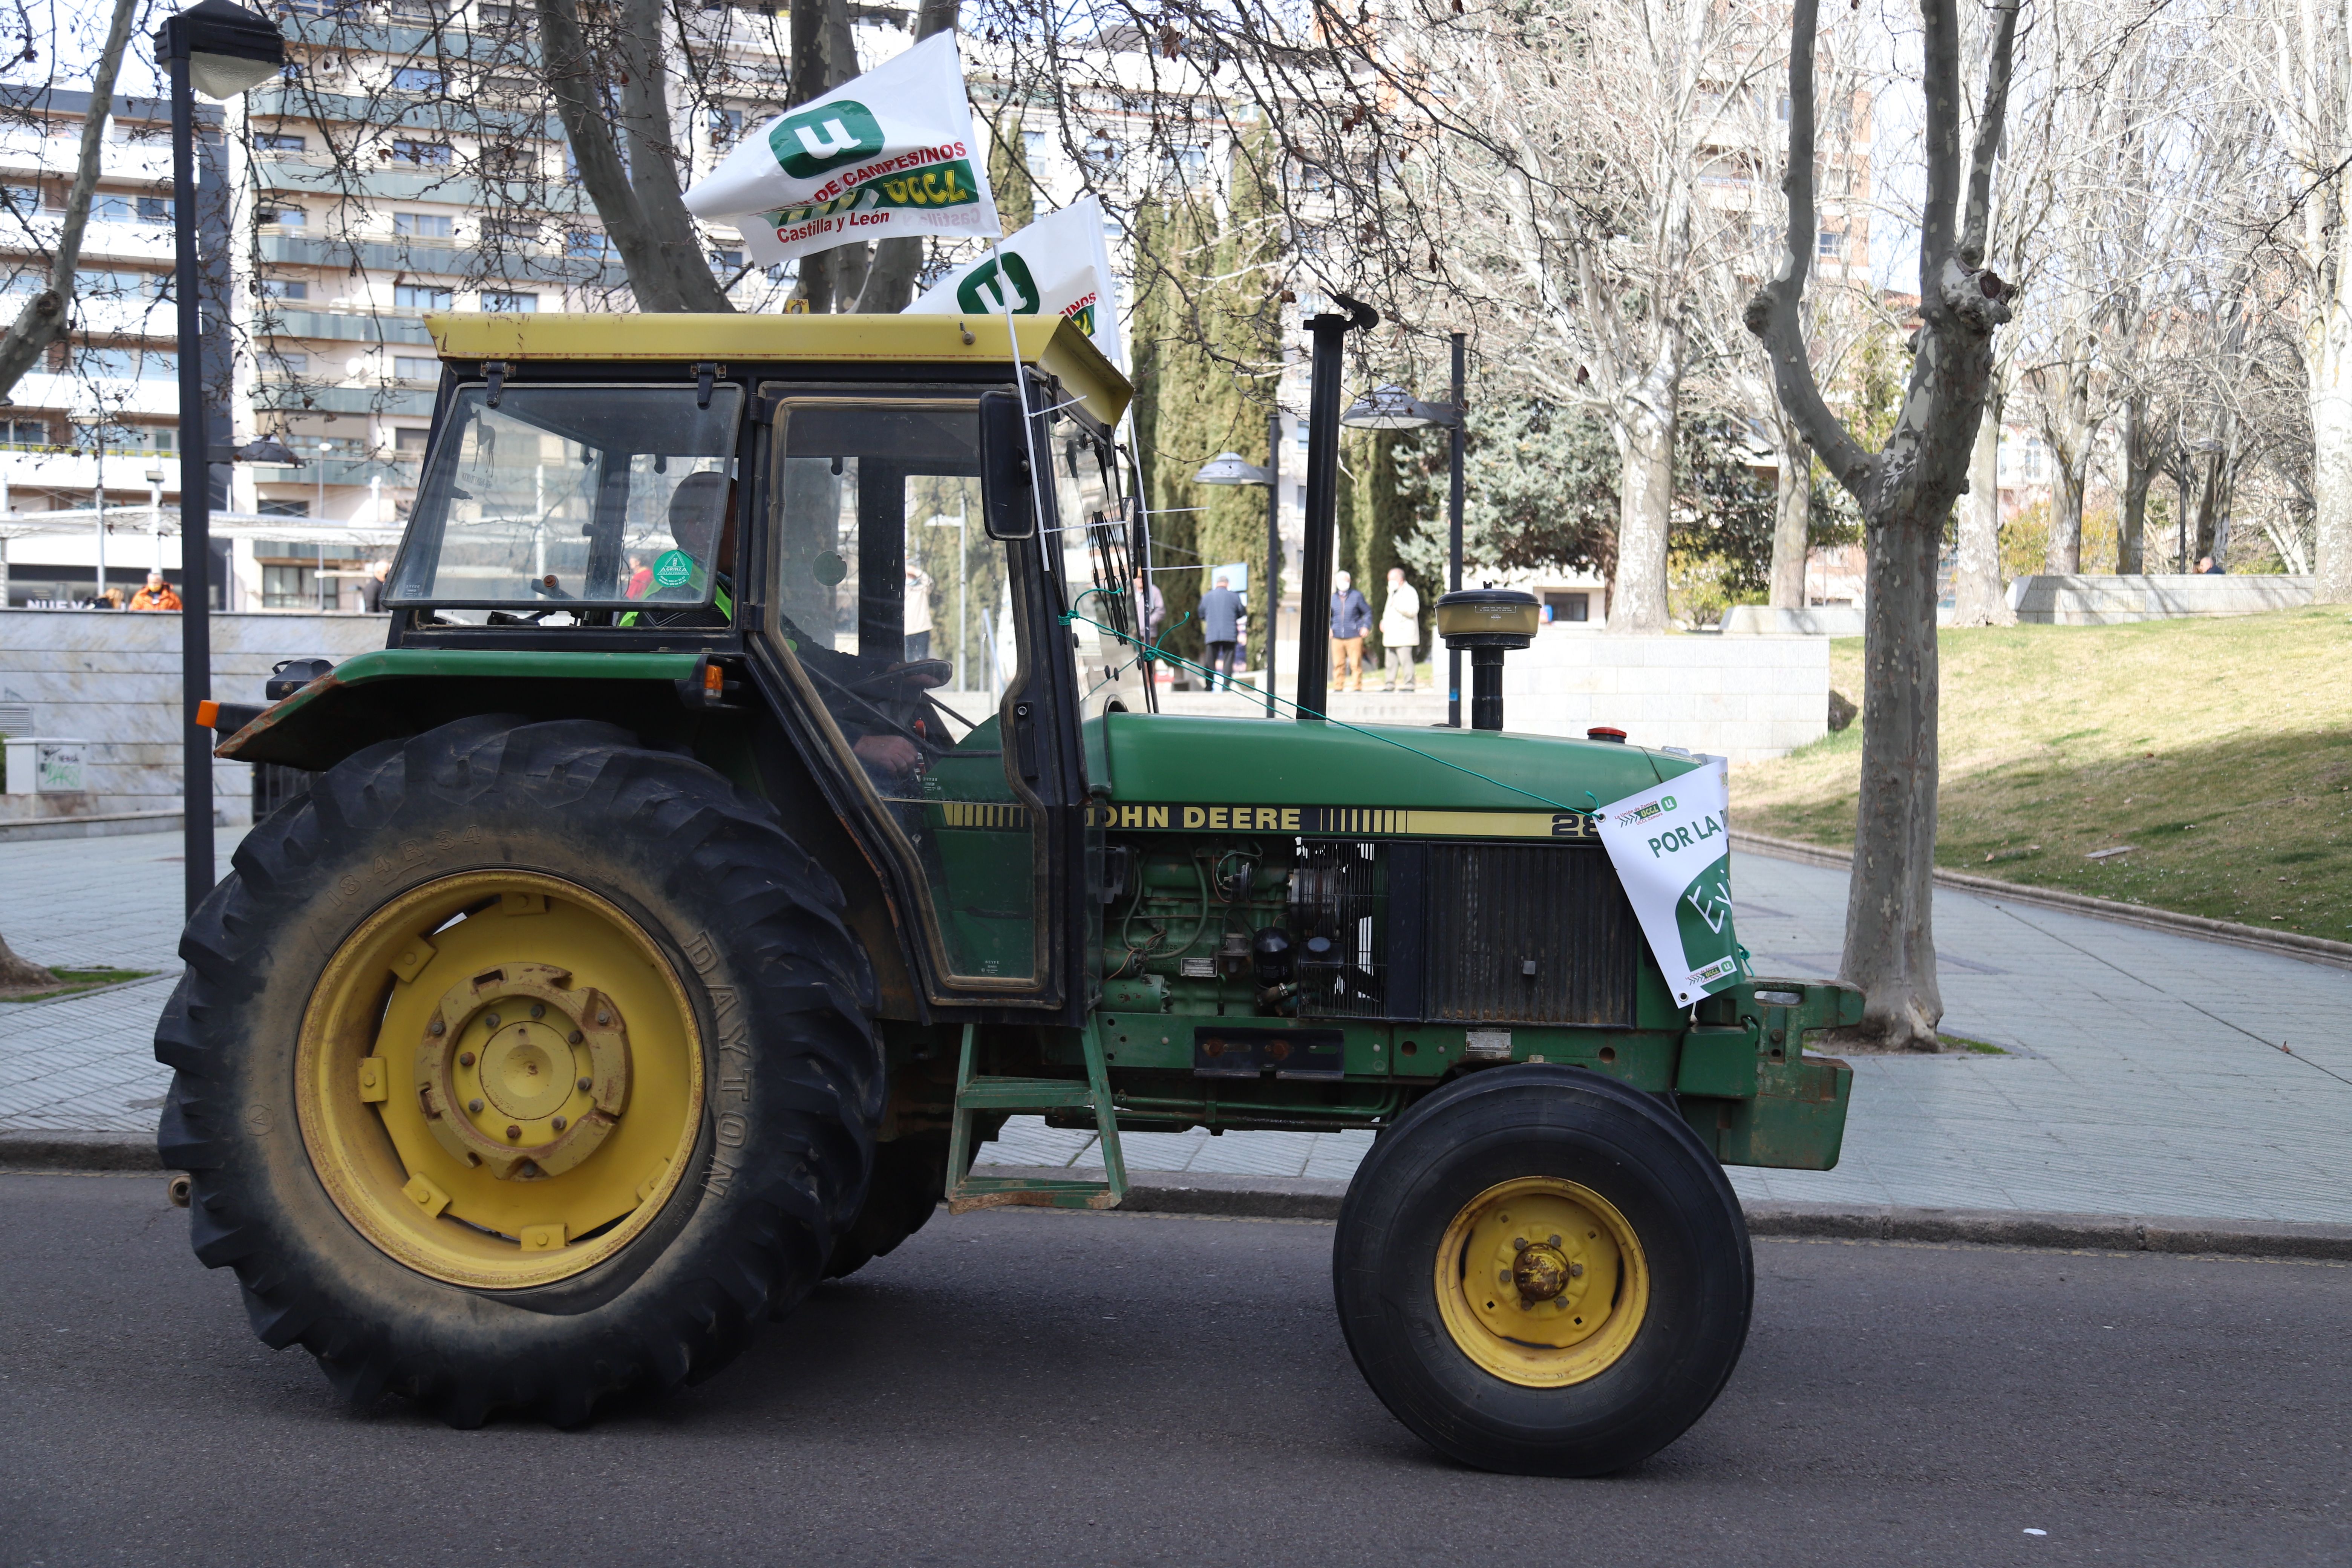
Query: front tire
x=1543, y=1272
x=518, y=1066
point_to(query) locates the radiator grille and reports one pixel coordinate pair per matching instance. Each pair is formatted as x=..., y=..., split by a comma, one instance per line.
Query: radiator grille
x=1492, y=909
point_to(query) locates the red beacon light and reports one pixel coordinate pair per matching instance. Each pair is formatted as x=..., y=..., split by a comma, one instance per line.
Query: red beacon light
x=1605, y=732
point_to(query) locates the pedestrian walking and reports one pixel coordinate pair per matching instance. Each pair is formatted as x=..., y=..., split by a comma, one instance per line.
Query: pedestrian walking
x=2209, y=567
x=372, y=586
x=1400, y=630
x=1152, y=608
x=1352, y=617
x=1221, y=628
x=156, y=596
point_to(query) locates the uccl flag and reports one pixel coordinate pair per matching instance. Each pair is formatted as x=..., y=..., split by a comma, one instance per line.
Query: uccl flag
x=888, y=154
x=1059, y=266
x=1672, y=848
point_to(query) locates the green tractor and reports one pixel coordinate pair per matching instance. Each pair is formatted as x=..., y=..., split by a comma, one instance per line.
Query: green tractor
x=762, y=797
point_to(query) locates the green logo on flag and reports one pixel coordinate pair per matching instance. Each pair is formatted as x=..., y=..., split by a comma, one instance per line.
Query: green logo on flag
x=824, y=138
x=982, y=296
x=1703, y=920
x=673, y=569
x=1084, y=317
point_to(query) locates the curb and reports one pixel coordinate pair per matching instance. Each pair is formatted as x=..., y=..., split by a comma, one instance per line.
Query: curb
x=1309, y=1198
x=2287, y=944
x=1294, y=1197
x=79, y=1152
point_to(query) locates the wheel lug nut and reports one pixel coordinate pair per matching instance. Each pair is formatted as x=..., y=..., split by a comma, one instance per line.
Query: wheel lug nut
x=465, y=1058
x=1555, y=1241
x=492, y=1020
x=603, y=1020
x=558, y=1124
x=437, y=1028
x=538, y=1010
x=1518, y=1244
x=572, y=1038
x=586, y=1084
x=475, y=1106
x=514, y=1131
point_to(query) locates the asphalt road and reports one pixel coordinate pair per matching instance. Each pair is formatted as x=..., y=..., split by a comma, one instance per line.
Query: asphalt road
x=1048, y=1389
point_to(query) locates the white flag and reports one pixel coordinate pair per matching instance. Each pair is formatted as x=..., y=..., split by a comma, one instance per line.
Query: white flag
x=885, y=156
x=1059, y=266
x=1672, y=847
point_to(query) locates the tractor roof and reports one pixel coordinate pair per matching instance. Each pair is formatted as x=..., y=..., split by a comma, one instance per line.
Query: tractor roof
x=1053, y=345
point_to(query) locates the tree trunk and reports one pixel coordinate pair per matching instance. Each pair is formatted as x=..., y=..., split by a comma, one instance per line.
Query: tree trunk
x=1792, y=522
x=2064, y=554
x=18, y=973
x=1977, y=599
x=2209, y=507
x=640, y=206
x=889, y=285
x=1645, y=501
x=2330, y=356
x=2139, y=472
x=825, y=56
x=1890, y=942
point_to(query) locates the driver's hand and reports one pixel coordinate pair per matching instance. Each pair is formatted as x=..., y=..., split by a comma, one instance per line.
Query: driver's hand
x=891, y=753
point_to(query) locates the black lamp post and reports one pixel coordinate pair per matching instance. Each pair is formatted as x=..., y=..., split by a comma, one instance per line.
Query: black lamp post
x=1394, y=408
x=222, y=52
x=1230, y=468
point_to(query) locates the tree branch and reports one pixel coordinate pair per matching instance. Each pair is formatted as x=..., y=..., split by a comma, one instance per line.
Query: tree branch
x=1977, y=221
x=1774, y=314
x=653, y=177
x=573, y=79
x=45, y=316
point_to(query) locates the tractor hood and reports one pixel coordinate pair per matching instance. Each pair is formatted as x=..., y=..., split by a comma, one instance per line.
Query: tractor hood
x=1180, y=771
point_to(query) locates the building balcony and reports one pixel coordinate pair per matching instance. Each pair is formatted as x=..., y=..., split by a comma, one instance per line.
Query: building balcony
x=124, y=470
x=396, y=472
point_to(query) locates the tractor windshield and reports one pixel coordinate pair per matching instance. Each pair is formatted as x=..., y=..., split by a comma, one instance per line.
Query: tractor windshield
x=610, y=501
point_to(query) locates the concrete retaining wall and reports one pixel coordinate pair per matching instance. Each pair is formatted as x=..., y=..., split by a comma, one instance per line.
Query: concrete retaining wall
x=112, y=678
x=1743, y=698
x=2089, y=601
x=1820, y=621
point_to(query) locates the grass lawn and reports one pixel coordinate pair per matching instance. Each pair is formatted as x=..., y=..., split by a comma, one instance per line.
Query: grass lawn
x=73, y=980
x=2219, y=751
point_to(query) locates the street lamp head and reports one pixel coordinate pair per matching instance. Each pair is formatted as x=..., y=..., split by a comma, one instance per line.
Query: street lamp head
x=1392, y=408
x=1229, y=468
x=229, y=49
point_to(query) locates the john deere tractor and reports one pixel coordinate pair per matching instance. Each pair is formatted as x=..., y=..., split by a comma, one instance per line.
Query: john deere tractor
x=760, y=799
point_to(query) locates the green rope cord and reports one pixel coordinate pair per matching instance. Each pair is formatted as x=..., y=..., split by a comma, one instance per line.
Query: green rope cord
x=1149, y=654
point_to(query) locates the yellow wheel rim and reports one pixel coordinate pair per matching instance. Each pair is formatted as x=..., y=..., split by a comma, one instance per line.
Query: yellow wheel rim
x=498, y=1079
x=1542, y=1282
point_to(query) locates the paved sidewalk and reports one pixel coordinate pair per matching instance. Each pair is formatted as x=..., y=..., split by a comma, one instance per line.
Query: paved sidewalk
x=87, y=1063
x=2149, y=1073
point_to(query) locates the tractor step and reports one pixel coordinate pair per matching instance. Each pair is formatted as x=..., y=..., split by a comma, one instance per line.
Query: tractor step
x=976, y=1093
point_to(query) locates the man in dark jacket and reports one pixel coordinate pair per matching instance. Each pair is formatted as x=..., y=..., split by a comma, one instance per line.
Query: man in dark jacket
x=1221, y=628
x=1352, y=617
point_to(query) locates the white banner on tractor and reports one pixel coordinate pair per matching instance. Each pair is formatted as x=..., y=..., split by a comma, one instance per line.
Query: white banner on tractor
x=1672, y=848
x=1059, y=266
x=885, y=156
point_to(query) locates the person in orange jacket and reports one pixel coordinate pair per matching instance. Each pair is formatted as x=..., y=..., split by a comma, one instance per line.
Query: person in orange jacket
x=157, y=595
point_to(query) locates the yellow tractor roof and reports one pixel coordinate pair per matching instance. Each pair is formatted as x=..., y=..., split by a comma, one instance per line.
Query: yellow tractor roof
x=1053, y=345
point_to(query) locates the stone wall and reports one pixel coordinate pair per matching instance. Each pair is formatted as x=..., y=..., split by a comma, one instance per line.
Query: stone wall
x=1745, y=698
x=2097, y=601
x=112, y=678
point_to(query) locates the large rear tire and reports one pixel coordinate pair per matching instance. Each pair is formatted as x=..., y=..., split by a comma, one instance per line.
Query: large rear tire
x=910, y=1178
x=518, y=1066
x=1543, y=1272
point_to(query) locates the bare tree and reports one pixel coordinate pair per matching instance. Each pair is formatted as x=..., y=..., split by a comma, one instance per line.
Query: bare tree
x=1905, y=492
x=45, y=317
x=2310, y=62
